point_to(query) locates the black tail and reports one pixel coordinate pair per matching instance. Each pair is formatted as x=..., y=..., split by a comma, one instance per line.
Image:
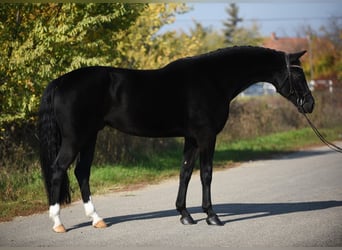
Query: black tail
x=50, y=143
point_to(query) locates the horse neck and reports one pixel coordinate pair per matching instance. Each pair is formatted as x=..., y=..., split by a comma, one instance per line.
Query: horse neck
x=247, y=70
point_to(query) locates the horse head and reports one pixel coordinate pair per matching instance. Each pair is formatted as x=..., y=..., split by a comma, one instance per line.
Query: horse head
x=292, y=84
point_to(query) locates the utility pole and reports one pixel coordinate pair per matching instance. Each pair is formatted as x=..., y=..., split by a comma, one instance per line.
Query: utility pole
x=310, y=56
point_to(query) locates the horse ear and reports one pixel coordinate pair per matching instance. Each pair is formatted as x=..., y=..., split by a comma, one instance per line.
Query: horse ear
x=296, y=56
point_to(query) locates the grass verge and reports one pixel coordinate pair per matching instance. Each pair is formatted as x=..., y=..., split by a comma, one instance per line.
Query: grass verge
x=25, y=190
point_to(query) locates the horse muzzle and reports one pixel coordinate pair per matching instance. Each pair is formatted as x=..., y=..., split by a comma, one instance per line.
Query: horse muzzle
x=306, y=104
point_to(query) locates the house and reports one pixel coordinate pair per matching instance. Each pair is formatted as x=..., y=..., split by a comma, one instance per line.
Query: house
x=286, y=44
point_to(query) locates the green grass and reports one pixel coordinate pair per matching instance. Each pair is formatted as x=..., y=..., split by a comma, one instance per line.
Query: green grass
x=23, y=193
x=271, y=145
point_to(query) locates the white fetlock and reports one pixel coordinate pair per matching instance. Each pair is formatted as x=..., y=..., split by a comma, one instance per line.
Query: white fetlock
x=91, y=212
x=54, y=212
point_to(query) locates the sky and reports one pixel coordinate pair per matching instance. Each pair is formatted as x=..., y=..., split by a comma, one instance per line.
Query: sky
x=285, y=18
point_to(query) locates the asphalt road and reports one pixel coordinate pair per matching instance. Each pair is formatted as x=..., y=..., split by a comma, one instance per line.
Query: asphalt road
x=292, y=201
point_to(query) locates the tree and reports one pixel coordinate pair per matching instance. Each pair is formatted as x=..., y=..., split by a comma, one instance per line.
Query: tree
x=326, y=51
x=211, y=39
x=235, y=35
x=230, y=25
x=41, y=41
x=143, y=47
x=247, y=36
x=333, y=32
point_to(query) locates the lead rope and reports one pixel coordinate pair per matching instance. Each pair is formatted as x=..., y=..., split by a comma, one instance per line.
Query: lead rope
x=318, y=134
x=321, y=137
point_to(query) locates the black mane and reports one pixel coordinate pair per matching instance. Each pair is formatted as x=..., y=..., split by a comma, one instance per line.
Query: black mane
x=237, y=49
x=248, y=56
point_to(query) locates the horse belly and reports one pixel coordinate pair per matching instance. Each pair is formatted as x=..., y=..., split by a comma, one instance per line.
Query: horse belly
x=147, y=122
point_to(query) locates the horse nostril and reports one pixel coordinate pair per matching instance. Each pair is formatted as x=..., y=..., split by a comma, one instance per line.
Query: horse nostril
x=300, y=102
x=309, y=106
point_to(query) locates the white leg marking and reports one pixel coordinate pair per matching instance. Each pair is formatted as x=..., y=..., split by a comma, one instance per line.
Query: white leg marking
x=54, y=215
x=91, y=212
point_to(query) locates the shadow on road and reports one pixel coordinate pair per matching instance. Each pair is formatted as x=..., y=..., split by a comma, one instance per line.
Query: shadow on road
x=237, y=211
x=257, y=210
x=308, y=153
x=222, y=156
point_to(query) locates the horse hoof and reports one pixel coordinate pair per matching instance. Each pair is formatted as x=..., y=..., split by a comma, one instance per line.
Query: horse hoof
x=100, y=224
x=214, y=220
x=187, y=220
x=59, y=229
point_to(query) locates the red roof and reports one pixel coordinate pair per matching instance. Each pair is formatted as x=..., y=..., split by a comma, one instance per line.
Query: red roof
x=286, y=44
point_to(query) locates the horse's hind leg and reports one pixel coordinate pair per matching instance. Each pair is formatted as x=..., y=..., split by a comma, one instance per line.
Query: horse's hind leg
x=60, y=184
x=189, y=158
x=82, y=172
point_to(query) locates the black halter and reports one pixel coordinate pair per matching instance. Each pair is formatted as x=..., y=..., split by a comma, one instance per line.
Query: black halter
x=292, y=91
x=301, y=101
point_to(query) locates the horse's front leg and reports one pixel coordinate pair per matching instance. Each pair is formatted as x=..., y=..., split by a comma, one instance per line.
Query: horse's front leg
x=206, y=169
x=189, y=158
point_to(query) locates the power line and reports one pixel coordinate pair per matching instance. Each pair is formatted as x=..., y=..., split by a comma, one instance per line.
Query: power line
x=271, y=19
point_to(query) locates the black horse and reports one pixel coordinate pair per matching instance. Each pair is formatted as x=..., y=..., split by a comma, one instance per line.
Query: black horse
x=188, y=98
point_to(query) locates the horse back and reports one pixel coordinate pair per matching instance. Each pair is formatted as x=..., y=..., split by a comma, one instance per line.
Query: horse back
x=147, y=103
